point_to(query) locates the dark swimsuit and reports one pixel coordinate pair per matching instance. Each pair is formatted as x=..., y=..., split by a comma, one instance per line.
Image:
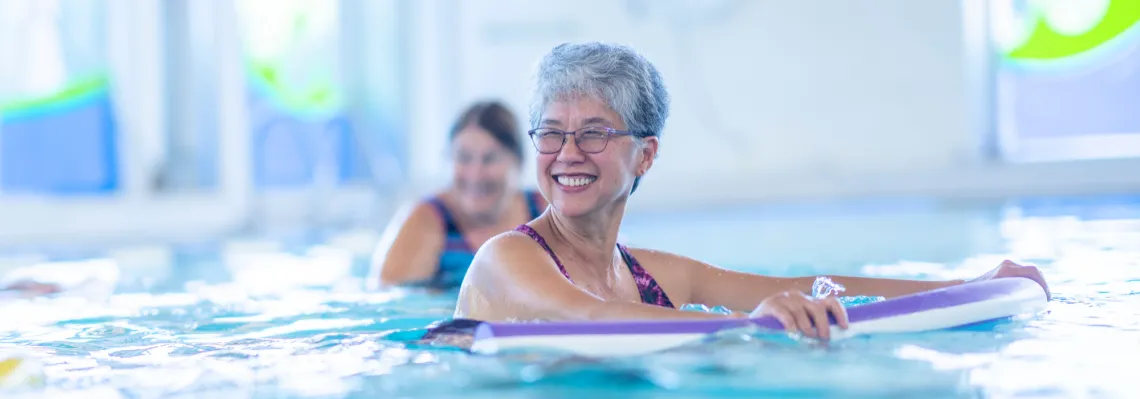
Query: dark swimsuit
x=651, y=292
x=457, y=254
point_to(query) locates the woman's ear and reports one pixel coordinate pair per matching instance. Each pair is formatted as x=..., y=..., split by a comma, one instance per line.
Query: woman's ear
x=648, y=150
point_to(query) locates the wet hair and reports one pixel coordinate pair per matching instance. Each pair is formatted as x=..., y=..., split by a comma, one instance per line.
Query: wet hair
x=617, y=75
x=497, y=120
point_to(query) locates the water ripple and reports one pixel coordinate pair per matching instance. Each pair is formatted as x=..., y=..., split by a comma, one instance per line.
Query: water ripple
x=229, y=340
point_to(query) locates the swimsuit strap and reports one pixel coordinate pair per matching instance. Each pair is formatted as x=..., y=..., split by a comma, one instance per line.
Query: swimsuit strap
x=448, y=220
x=651, y=292
x=454, y=239
x=542, y=242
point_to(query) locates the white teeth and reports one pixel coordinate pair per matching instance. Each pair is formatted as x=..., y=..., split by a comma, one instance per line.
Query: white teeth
x=575, y=181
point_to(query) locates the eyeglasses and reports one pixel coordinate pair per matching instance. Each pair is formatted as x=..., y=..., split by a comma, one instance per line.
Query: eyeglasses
x=591, y=140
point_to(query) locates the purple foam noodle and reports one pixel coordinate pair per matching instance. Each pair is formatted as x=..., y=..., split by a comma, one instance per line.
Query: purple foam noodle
x=928, y=300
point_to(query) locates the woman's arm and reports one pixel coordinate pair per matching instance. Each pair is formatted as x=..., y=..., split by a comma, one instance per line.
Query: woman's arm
x=409, y=250
x=32, y=288
x=714, y=286
x=740, y=291
x=513, y=278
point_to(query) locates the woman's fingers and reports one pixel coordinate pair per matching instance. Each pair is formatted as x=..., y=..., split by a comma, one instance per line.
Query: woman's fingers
x=803, y=321
x=785, y=318
x=837, y=309
x=818, y=313
x=812, y=317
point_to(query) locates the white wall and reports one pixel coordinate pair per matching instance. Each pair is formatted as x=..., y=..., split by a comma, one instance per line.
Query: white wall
x=773, y=99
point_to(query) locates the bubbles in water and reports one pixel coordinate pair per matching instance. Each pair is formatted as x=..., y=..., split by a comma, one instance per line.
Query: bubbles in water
x=696, y=307
x=824, y=287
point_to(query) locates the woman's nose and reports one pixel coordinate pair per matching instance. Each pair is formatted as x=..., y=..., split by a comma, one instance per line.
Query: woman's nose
x=570, y=150
x=484, y=171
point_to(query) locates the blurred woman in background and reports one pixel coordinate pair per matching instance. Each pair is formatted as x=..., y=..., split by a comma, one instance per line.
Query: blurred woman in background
x=432, y=243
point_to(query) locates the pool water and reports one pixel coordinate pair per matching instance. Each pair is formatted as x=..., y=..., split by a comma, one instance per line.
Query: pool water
x=286, y=317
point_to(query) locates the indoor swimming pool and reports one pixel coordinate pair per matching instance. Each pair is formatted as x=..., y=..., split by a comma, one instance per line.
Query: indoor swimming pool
x=286, y=316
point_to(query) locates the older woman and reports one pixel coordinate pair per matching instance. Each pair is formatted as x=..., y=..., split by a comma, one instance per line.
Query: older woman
x=433, y=244
x=597, y=118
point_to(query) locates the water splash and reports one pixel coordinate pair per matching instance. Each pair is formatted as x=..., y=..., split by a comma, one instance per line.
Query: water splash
x=824, y=287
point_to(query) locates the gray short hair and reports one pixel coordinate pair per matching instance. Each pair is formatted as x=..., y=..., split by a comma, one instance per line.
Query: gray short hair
x=615, y=74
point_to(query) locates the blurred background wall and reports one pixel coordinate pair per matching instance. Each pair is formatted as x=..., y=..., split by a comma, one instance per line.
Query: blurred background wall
x=189, y=119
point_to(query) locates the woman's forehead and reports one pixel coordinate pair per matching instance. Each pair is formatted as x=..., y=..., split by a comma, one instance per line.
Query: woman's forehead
x=579, y=111
x=474, y=138
x=590, y=120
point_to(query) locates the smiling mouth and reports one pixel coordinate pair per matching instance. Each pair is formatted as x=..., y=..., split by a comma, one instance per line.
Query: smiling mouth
x=574, y=180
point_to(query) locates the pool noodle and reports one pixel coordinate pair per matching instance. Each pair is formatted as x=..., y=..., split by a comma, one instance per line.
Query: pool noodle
x=937, y=309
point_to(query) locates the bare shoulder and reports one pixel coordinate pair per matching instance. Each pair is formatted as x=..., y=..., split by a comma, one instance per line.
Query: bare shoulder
x=408, y=249
x=410, y=226
x=510, y=258
x=506, y=268
x=658, y=258
x=419, y=213
x=507, y=250
x=672, y=271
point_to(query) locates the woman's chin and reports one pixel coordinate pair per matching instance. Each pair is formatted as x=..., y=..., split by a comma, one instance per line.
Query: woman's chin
x=572, y=208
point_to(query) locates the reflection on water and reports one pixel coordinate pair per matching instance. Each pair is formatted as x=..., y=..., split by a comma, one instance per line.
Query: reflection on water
x=261, y=322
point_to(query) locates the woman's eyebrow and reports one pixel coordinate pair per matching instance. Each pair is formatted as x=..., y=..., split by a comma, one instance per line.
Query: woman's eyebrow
x=596, y=120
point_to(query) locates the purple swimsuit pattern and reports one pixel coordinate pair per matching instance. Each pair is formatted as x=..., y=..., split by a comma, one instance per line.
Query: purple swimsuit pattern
x=651, y=293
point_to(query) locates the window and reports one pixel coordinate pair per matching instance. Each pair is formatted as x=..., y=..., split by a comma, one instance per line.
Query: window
x=57, y=121
x=1066, y=79
x=302, y=131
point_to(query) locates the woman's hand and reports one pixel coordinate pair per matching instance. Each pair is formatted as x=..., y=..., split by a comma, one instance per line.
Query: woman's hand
x=1010, y=269
x=798, y=312
x=34, y=288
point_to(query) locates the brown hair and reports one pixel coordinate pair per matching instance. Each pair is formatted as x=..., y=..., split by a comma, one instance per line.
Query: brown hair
x=497, y=120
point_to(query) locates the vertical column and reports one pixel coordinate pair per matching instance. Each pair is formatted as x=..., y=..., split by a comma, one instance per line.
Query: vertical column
x=136, y=63
x=433, y=78
x=234, y=137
